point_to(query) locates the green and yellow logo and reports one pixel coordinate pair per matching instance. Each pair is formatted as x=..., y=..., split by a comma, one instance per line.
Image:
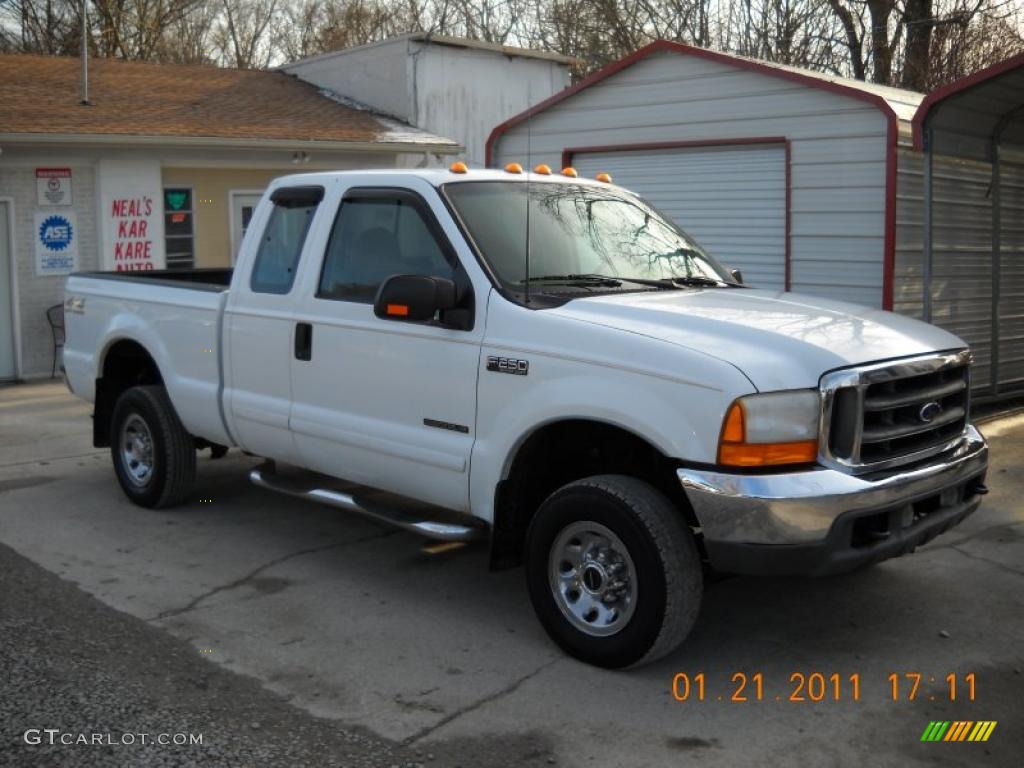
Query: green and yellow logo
x=958, y=730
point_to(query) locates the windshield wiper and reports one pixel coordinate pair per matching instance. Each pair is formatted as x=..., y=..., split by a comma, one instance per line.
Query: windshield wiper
x=598, y=280
x=696, y=280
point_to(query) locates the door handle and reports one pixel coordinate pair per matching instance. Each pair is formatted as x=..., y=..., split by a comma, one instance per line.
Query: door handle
x=304, y=341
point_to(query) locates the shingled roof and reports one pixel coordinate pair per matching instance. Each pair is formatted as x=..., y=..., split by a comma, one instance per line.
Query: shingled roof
x=40, y=97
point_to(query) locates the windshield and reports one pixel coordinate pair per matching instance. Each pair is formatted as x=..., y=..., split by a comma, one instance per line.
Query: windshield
x=576, y=231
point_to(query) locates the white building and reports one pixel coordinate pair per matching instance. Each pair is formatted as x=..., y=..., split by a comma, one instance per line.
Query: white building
x=444, y=85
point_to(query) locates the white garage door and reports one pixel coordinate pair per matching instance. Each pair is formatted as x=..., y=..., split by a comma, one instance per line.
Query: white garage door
x=732, y=199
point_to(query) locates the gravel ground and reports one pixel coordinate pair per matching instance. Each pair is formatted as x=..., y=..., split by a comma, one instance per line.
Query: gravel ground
x=68, y=662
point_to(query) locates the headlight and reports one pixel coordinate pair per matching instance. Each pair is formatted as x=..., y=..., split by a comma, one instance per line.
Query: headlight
x=771, y=429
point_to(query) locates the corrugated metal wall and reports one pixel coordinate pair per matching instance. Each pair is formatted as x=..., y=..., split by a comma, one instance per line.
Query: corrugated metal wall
x=733, y=199
x=837, y=164
x=962, y=258
x=1011, y=275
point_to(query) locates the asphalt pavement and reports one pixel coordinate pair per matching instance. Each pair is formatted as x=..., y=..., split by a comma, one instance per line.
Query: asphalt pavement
x=288, y=633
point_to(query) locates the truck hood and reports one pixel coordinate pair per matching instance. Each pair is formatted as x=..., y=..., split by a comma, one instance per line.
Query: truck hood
x=778, y=340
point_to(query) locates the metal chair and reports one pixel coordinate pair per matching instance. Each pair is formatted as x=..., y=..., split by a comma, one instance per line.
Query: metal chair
x=55, y=317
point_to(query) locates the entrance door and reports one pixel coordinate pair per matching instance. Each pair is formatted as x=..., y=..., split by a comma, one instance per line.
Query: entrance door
x=242, y=206
x=7, y=369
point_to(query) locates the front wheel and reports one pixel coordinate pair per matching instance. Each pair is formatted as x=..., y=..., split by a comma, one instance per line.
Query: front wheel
x=154, y=456
x=613, y=571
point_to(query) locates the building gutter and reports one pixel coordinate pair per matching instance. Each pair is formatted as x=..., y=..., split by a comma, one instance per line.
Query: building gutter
x=129, y=140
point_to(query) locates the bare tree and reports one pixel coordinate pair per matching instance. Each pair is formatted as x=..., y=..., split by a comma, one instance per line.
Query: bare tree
x=40, y=26
x=912, y=43
x=135, y=29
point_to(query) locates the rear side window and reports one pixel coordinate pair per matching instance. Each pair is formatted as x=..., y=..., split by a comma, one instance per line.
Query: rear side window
x=376, y=237
x=281, y=243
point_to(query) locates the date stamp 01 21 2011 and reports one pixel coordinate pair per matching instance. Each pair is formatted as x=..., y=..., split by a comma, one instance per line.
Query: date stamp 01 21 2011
x=815, y=687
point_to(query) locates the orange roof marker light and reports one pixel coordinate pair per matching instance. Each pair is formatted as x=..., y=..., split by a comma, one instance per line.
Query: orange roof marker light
x=570, y=172
x=543, y=170
x=458, y=167
x=513, y=168
x=605, y=177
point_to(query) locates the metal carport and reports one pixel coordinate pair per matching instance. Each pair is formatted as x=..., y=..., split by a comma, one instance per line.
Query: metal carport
x=972, y=272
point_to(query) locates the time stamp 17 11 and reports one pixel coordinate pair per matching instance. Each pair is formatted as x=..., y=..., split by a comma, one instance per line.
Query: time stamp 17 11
x=813, y=687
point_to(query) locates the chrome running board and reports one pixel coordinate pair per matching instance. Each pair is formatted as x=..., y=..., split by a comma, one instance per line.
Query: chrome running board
x=264, y=476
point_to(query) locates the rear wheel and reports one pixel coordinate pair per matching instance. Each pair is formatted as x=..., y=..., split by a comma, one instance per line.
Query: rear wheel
x=613, y=571
x=154, y=457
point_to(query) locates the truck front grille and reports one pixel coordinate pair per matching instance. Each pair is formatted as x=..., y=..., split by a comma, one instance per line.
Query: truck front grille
x=896, y=413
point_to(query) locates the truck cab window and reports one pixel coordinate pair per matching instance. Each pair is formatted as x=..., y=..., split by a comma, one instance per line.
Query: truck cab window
x=281, y=245
x=374, y=238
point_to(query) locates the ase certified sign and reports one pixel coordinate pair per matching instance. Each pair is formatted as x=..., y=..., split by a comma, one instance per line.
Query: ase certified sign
x=56, y=243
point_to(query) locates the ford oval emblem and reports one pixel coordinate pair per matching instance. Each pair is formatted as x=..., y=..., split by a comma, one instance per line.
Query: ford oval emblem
x=929, y=411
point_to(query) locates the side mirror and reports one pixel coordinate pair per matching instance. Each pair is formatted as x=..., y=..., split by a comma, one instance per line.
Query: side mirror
x=736, y=275
x=414, y=298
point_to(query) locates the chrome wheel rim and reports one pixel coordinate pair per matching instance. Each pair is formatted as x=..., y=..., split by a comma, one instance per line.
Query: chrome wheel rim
x=592, y=578
x=137, y=450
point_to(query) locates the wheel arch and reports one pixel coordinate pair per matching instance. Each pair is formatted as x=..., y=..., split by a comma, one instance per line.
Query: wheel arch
x=123, y=363
x=560, y=451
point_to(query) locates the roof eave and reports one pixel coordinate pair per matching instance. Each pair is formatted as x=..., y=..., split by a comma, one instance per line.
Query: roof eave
x=219, y=142
x=661, y=46
x=939, y=95
x=451, y=42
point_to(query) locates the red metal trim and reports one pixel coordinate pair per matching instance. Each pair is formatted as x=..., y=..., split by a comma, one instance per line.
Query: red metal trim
x=957, y=86
x=788, y=284
x=892, y=134
x=568, y=154
x=889, y=250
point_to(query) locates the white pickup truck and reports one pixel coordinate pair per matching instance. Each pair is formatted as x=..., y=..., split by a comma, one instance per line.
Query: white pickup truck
x=543, y=361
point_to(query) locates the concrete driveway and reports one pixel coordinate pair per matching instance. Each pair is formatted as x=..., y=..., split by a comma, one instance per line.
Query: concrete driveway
x=353, y=622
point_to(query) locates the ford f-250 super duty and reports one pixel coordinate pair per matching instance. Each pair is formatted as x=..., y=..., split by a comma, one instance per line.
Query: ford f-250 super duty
x=545, y=361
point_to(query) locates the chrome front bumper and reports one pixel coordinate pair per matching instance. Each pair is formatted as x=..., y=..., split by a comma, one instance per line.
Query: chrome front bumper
x=810, y=513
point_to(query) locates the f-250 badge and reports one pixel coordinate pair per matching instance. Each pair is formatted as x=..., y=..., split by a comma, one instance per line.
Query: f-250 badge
x=508, y=365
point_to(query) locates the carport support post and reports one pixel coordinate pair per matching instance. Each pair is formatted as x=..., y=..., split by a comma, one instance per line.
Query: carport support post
x=997, y=224
x=926, y=263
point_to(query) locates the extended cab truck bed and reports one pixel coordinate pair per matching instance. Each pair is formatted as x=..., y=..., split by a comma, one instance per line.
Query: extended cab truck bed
x=592, y=390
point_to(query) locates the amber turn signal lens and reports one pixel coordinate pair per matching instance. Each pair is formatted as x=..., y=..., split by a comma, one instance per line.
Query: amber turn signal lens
x=458, y=167
x=570, y=172
x=766, y=454
x=400, y=310
x=543, y=170
x=513, y=168
x=733, y=431
x=606, y=178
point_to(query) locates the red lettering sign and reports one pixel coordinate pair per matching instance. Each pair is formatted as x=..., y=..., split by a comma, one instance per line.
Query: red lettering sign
x=133, y=247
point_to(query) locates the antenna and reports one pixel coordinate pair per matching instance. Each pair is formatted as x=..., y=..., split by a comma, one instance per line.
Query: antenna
x=529, y=168
x=85, y=52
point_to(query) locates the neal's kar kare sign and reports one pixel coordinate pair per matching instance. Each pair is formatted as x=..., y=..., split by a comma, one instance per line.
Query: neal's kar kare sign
x=56, y=243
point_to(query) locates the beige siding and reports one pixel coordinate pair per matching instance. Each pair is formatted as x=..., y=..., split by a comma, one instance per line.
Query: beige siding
x=838, y=149
x=211, y=200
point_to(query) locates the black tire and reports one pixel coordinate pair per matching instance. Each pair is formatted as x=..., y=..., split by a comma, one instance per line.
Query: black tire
x=665, y=561
x=171, y=448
